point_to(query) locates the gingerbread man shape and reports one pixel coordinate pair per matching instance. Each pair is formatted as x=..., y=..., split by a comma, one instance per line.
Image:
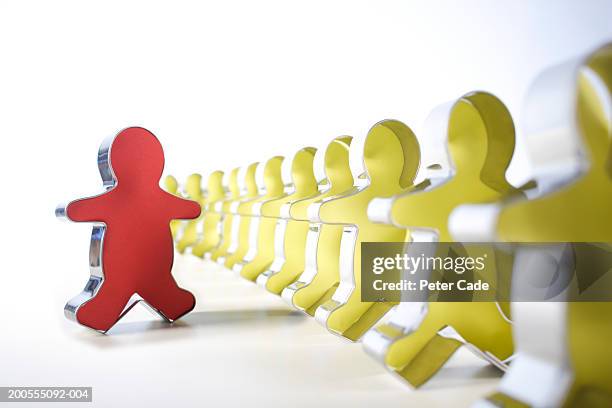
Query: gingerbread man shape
x=242, y=222
x=171, y=185
x=261, y=225
x=419, y=339
x=321, y=274
x=193, y=228
x=131, y=252
x=387, y=160
x=290, y=235
x=239, y=228
x=226, y=216
x=211, y=218
x=566, y=353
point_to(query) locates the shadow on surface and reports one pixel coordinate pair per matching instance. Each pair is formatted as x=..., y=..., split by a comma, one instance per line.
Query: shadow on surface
x=460, y=376
x=159, y=330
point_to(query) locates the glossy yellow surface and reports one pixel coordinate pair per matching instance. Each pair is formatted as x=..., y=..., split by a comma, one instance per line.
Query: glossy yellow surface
x=320, y=288
x=211, y=218
x=391, y=158
x=305, y=185
x=242, y=217
x=193, y=192
x=480, y=144
x=171, y=185
x=274, y=189
x=580, y=212
x=306, y=191
x=227, y=217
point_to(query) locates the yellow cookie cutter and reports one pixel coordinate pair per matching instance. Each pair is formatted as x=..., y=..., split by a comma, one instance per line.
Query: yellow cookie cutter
x=386, y=160
x=254, y=188
x=270, y=184
x=226, y=214
x=568, y=122
x=190, y=234
x=420, y=338
x=270, y=212
x=321, y=274
x=171, y=185
x=290, y=233
x=211, y=218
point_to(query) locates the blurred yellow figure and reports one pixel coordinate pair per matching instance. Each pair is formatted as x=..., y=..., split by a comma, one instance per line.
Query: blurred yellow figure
x=210, y=228
x=270, y=210
x=290, y=234
x=269, y=187
x=171, y=185
x=480, y=137
x=321, y=274
x=387, y=161
x=193, y=192
x=573, y=364
x=227, y=217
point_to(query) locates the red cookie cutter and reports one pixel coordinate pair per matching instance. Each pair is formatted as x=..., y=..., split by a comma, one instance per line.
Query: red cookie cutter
x=131, y=252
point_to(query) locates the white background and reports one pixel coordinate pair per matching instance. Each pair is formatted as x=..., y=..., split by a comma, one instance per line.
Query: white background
x=222, y=84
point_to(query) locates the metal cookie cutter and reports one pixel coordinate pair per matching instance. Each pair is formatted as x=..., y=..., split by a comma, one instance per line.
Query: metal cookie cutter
x=420, y=337
x=269, y=238
x=131, y=251
x=192, y=229
x=386, y=160
x=248, y=223
x=435, y=169
x=172, y=186
x=321, y=276
x=274, y=187
x=564, y=357
x=290, y=234
x=225, y=226
x=271, y=235
x=239, y=235
x=211, y=215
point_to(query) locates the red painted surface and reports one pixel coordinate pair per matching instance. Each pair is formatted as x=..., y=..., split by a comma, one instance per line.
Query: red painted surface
x=137, y=252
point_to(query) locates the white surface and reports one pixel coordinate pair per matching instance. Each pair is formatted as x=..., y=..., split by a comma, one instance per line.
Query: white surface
x=241, y=346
